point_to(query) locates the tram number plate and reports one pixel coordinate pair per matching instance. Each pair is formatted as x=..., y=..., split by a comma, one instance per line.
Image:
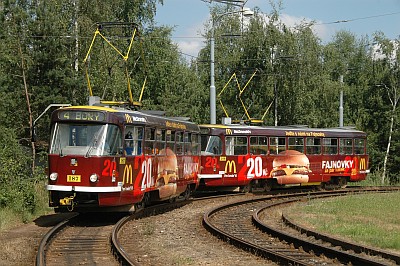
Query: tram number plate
x=73, y=178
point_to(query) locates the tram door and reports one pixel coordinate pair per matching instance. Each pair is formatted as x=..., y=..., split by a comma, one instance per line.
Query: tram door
x=235, y=164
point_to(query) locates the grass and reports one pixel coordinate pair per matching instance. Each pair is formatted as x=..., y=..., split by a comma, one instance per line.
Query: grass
x=371, y=219
x=10, y=217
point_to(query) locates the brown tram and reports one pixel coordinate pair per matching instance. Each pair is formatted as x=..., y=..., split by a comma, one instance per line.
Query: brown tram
x=113, y=158
x=247, y=157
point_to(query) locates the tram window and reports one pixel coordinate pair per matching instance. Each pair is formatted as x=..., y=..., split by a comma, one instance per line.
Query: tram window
x=235, y=145
x=179, y=143
x=296, y=144
x=359, y=146
x=150, y=138
x=187, y=137
x=330, y=146
x=88, y=140
x=345, y=146
x=259, y=145
x=113, y=142
x=133, y=140
x=277, y=145
x=211, y=145
x=313, y=146
x=79, y=135
x=171, y=140
x=160, y=141
x=195, y=142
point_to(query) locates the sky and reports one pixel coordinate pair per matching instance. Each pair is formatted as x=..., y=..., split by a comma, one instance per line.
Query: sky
x=365, y=17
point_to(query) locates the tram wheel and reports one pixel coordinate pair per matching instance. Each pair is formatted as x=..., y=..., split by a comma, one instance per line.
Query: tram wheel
x=186, y=194
x=342, y=182
x=246, y=189
x=319, y=187
x=144, y=202
x=267, y=185
x=172, y=200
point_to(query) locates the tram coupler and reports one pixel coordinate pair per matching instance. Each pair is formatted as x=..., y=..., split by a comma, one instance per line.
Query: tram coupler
x=67, y=201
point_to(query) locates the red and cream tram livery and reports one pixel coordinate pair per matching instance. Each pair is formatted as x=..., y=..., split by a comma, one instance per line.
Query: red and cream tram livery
x=265, y=157
x=108, y=157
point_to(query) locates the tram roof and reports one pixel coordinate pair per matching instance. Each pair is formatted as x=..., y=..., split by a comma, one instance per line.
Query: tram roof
x=122, y=115
x=291, y=130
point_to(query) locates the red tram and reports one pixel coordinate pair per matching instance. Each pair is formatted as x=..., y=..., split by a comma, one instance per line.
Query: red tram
x=104, y=157
x=261, y=157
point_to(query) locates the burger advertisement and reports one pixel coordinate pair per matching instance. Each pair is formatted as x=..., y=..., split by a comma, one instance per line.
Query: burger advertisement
x=291, y=167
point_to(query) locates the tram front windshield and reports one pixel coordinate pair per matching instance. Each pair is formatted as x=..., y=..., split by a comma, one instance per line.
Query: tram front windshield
x=85, y=139
x=211, y=145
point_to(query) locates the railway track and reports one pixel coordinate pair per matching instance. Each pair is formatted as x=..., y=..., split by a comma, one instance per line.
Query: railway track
x=92, y=238
x=83, y=239
x=340, y=243
x=240, y=224
x=98, y=239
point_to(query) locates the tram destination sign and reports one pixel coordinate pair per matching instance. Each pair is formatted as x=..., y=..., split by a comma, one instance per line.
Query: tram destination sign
x=81, y=115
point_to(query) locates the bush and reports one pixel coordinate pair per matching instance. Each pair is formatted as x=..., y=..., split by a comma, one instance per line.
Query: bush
x=21, y=190
x=375, y=179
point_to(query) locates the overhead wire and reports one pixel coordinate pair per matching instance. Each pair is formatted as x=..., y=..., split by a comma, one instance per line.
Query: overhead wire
x=360, y=18
x=200, y=37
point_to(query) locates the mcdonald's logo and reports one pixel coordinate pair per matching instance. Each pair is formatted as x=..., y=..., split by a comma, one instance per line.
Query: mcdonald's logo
x=363, y=164
x=128, y=118
x=228, y=131
x=128, y=174
x=231, y=166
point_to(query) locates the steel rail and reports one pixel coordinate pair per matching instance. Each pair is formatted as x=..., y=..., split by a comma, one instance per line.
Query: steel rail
x=119, y=252
x=41, y=253
x=332, y=253
x=278, y=257
x=246, y=245
x=338, y=242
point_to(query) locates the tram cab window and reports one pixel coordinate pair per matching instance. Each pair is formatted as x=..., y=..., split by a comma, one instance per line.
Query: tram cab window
x=113, y=141
x=259, y=145
x=330, y=146
x=346, y=146
x=359, y=146
x=235, y=145
x=150, y=139
x=133, y=140
x=277, y=145
x=313, y=145
x=296, y=144
x=211, y=145
x=86, y=139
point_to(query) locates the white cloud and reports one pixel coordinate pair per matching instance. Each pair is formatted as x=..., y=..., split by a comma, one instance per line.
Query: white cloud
x=322, y=31
x=192, y=41
x=191, y=48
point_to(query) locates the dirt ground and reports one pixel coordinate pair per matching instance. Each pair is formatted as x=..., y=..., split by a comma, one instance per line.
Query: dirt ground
x=173, y=238
x=20, y=243
x=179, y=238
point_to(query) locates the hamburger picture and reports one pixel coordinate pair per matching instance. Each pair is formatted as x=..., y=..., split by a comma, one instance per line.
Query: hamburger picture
x=167, y=173
x=290, y=167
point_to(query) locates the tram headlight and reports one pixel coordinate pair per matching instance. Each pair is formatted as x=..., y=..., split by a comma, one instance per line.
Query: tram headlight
x=53, y=176
x=94, y=178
